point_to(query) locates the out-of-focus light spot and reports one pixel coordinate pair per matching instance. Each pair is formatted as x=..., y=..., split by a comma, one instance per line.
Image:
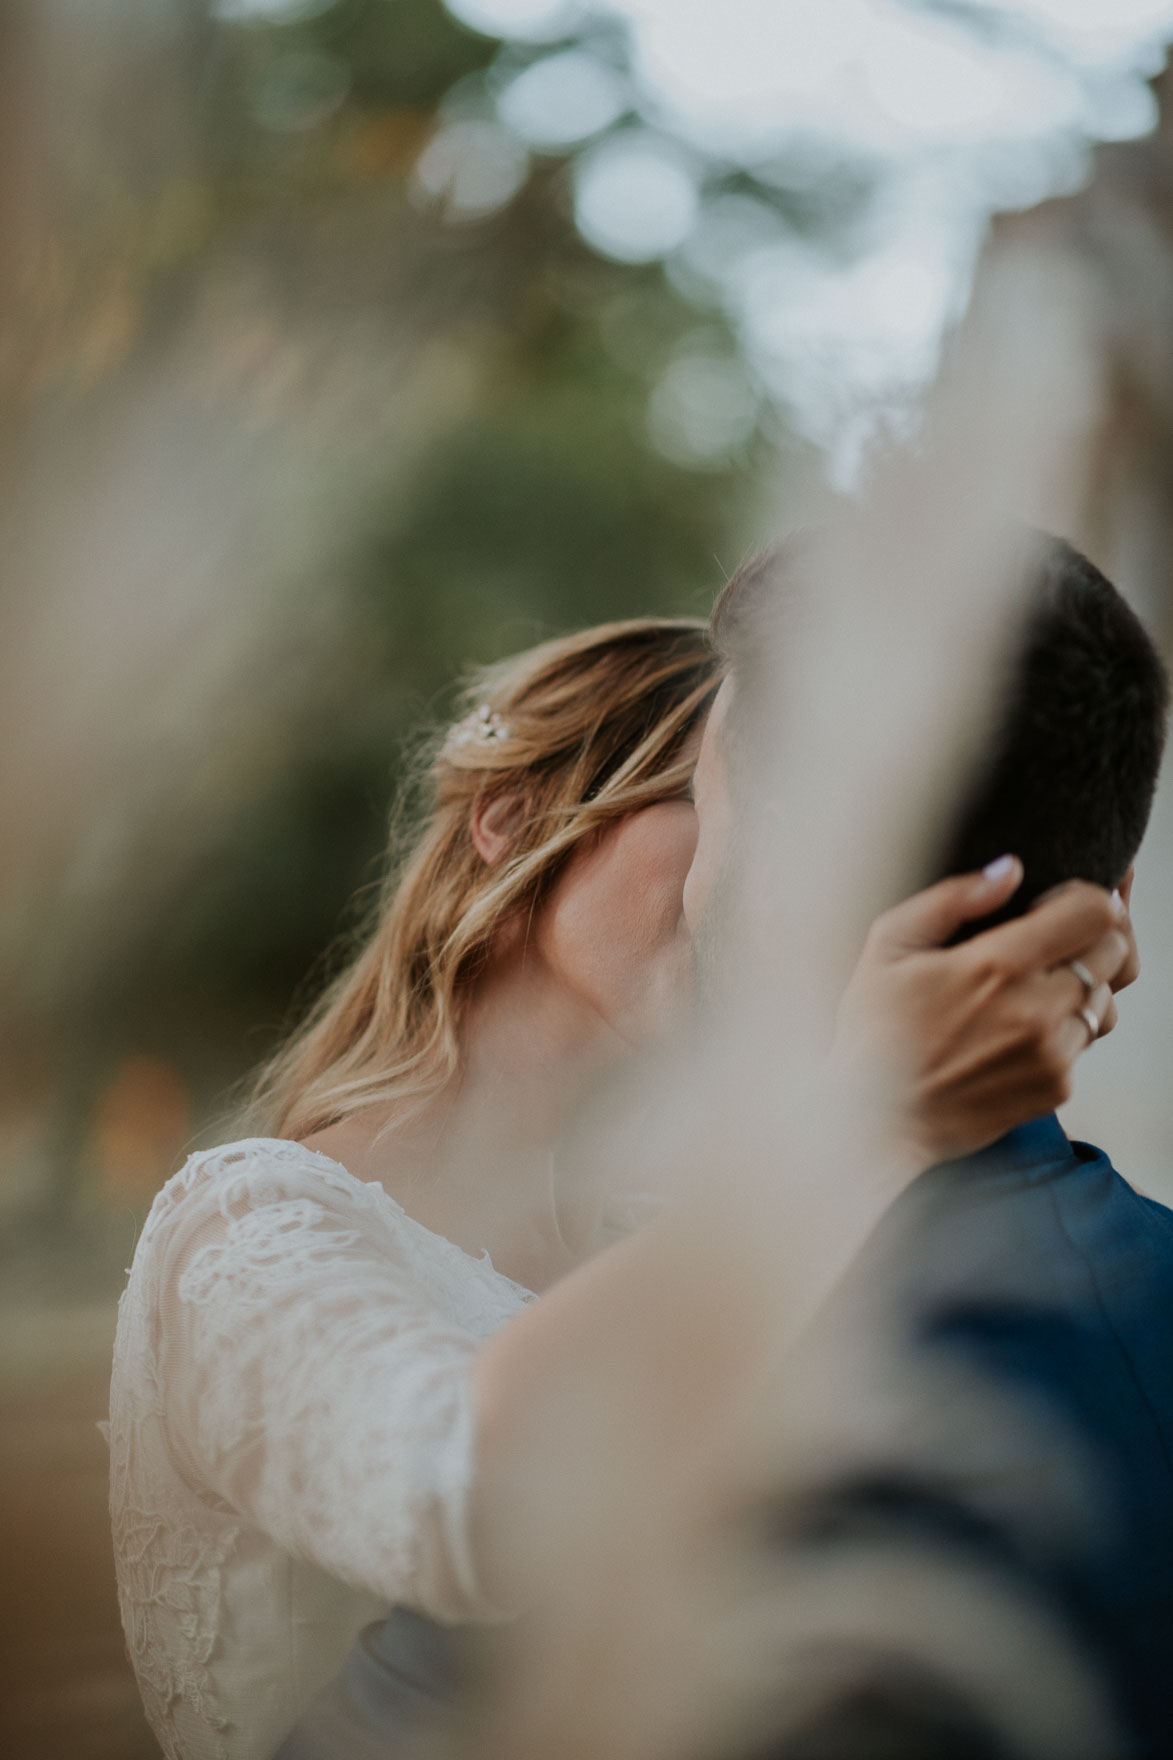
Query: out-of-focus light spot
x=300, y=89
x=563, y=99
x=747, y=72
x=635, y=199
x=932, y=82
x=1124, y=109
x=1096, y=27
x=728, y=230
x=471, y=167
x=268, y=11
x=528, y=20
x=868, y=74
x=808, y=164
x=831, y=340
x=702, y=410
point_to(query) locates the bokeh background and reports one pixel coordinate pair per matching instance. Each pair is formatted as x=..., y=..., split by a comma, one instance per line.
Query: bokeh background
x=326, y=370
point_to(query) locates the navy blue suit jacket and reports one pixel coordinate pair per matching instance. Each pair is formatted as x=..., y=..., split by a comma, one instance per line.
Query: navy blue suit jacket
x=1037, y=1266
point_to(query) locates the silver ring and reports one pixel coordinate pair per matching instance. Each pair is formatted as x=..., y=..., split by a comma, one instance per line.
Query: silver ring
x=1085, y=977
x=1091, y=1021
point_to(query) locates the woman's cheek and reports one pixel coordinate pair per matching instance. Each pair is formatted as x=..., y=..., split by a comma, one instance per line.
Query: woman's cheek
x=651, y=878
x=617, y=911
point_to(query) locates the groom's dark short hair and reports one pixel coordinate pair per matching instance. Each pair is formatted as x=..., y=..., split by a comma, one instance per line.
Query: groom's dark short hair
x=1068, y=779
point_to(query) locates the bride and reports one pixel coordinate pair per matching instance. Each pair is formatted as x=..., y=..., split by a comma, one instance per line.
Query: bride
x=308, y=1425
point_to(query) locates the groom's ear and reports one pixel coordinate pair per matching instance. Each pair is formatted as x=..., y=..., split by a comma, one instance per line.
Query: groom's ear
x=493, y=823
x=1125, y=886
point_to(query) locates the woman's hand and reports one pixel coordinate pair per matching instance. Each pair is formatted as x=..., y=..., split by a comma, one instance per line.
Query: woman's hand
x=984, y=1035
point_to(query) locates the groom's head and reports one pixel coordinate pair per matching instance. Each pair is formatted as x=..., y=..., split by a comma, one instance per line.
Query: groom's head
x=1068, y=777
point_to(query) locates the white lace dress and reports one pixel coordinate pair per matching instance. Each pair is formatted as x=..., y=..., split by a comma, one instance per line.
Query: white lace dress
x=290, y=1436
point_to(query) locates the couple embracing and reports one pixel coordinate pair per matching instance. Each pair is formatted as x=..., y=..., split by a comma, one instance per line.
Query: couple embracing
x=340, y=1349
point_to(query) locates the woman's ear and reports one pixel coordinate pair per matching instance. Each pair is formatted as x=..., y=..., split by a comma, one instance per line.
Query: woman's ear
x=492, y=825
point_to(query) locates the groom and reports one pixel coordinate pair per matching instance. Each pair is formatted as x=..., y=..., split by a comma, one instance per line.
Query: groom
x=1030, y=1271
x=1003, y=1412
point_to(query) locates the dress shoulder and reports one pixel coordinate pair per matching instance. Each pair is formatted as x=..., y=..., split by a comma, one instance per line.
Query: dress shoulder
x=282, y=1205
x=252, y=1173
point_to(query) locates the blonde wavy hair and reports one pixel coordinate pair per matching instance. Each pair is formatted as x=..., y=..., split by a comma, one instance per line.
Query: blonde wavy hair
x=578, y=733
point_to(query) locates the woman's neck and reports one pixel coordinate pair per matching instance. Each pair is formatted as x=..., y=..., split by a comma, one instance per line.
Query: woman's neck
x=476, y=1163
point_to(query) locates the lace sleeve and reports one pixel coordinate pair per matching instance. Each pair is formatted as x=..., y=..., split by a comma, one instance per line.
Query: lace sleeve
x=312, y=1381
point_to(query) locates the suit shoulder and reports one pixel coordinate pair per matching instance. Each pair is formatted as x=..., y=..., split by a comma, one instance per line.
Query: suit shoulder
x=1109, y=1223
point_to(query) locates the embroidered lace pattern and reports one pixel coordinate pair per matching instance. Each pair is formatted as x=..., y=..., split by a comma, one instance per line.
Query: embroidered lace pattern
x=291, y=1373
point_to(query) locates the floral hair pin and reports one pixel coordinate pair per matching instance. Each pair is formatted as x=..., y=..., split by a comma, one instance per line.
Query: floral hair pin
x=482, y=727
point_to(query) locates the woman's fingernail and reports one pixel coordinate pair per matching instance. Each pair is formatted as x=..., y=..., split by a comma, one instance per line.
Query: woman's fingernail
x=999, y=869
x=1118, y=904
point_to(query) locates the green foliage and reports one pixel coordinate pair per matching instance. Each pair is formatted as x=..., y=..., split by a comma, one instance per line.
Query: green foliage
x=545, y=510
x=549, y=508
x=400, y=51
